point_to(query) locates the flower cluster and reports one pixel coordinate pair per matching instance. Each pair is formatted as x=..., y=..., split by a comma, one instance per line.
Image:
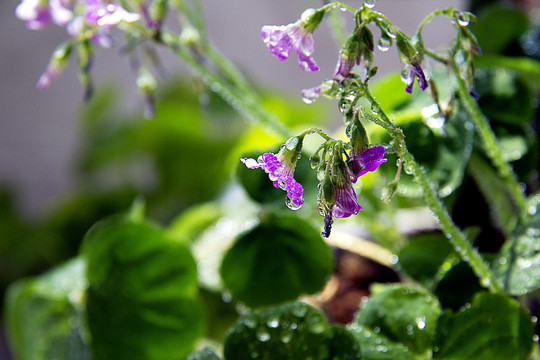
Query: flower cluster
x=86, y=21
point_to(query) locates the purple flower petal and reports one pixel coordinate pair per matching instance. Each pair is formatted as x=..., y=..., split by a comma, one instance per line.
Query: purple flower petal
x=414, y=70
x=280, y=175
x=367, y=161
x=276, y=39
x=346, y=202
x=306, y=62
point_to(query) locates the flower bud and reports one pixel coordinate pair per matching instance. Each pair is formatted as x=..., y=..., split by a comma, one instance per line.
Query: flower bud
x=57, y=63
x=290, y=151
x=358, y=135
x=147, y=85
x=407, y=52
x=311, y=19
x=158, y=11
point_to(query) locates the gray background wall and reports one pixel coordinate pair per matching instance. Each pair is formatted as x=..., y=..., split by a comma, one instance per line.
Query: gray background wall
x=39, y=130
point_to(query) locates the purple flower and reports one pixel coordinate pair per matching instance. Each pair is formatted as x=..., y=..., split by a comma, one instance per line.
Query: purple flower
x=346, y=202
x=280, y=172
x=106, y=13
x=361, y=163
x=344, y=67
x=38, y=14
x=281, y=39
x=414, y=70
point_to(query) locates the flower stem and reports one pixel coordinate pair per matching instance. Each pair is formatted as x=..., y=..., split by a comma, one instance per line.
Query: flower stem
x=490, y=142
x=456, y=237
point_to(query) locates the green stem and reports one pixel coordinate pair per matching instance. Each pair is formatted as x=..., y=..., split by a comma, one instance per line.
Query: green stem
x=458, y=240
x=490, y=142
x=456, y=237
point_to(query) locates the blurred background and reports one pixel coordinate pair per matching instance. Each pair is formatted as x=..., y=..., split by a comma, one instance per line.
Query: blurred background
x=64, y=164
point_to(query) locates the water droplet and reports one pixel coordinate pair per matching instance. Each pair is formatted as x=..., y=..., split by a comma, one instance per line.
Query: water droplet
x=343, y=8
x=468, y=305
x=410, y=330
x=485, y=281
x=532, y=210
x=294, y=326
x=263, y=336
x=405, y=74
x=254, y=354
x=524, y=263
x=316, y=328
x=299, y=311
x=375, y=108
x=463, y=19
x=273, y=323
x=420, y=322
x=391, y=31
x=458, y=249
x=369, y=3
x=533, y=232
x=534, y=319
x=367, y=334
x=306, y=15
x=377, y=330
x=384, y=44
x=535, y=338
x=435, y=122
x=502, y=260
x=226, y=297
x=286, y=337
x=345, y=105
x=250, y=323
x=364, y=299
x=394, y=259
x=382, y=348
x=291, y=205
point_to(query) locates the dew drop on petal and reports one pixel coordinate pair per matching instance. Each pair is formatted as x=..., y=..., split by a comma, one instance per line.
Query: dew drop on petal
x=291, y=205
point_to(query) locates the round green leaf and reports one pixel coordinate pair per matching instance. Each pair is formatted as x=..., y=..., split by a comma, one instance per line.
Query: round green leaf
x=494, y=327
x=280, y=259
x=291, y=331
x=401, y=315
x=44, y=315
x=142, y=297
x=518, y=264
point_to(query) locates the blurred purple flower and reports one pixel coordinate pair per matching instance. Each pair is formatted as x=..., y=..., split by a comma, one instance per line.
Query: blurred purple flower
x=361, y=163
x=281, y=174
x=281, y=39
x=38, y=14
x=106, y=13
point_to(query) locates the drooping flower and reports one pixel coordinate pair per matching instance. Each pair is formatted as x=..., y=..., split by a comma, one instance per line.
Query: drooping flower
x=411, y=71
x=281, y=39
x=337, y=198
x=362, y=162
x=280, y=172
x=38, y=14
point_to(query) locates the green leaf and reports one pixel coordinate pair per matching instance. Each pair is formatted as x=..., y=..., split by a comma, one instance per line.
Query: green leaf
x=142, y=296
x=280, y=259
x=458, y=286
x=192, y=222
x=495, y=192
x=504, y=96
x=290, y=331
x=374, y=346
x=422, y=256
x=500, y=28
x=44, y=315
x=518, y=263
x=494, y=327
x=527, y=68
x=206, y=353
x=402, y=317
